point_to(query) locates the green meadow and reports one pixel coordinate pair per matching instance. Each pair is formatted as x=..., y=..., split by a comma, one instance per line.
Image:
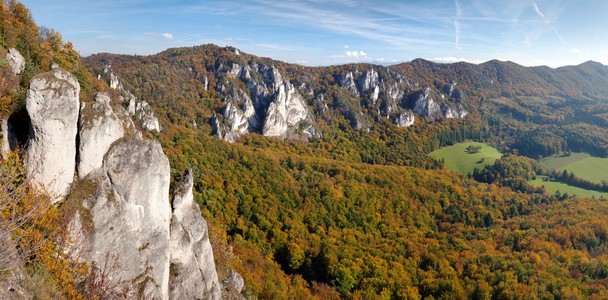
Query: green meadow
x=458, y=159
x=594, y=169
x=554, y=186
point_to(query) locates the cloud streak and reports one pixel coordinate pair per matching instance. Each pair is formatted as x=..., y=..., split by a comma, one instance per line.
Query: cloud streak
x=542, y=16
x=457, y=23
x=163, y=36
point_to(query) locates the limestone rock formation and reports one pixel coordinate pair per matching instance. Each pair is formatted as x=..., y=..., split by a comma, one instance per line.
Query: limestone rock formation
x=99, y=128
x=52, y=104
x=193, y=274
x=234, y=281
x=424, y=104
x=123, y=215
x=140, y=109
x=404, y=119
x=274, y=108
x=16, y=61
x=348, y=82
x=5, y=142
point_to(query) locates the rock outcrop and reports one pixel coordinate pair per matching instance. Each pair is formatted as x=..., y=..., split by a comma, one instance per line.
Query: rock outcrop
x=142, y=111
x=193, y=274
x=424, y=104
x=124, y=216
x=404, y=119
x=392, y=96
x=52, y=104
x=121, y=221
x=275, y=108
x=16, y=61
x=5, y=142
x=99, y=128
x=139, y=109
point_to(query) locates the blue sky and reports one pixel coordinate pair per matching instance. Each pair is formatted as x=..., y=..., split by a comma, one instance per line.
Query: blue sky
x=317, y=32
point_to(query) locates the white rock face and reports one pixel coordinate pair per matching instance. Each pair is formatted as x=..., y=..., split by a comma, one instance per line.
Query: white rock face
x=287, y=110
x=275, y=107
x=99, y=128
x=193, y=274
x=4, y=143
x=405, y=119
x=370, y=81
x=425, y=105
x=114, y=82
x=348, y=82
x=52, y=104
x=126, y=217
x=142, y=111
x=234, y=281
x=15, y=61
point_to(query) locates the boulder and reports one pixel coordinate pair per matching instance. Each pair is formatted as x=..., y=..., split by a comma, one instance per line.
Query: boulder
x=52, y=104
x=16, y=61
x=193, y=274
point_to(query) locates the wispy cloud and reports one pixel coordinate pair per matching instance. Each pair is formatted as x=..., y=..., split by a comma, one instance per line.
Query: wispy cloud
x=457, y=23
x=430, y=31
x=542, y=15
x=155, y=35
x=451, y=59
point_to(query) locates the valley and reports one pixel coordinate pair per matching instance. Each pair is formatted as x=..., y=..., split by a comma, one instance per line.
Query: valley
x=210, y=172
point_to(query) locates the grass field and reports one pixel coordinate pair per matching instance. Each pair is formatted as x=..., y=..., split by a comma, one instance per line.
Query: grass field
x=594, y=169
x=457, y=159
x=552, y=187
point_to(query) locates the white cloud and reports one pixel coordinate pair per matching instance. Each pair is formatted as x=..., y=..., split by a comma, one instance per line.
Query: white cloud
x=345, y=46
x=451, y=59
x=155, y=35
x=356, y=54
x=575, y=51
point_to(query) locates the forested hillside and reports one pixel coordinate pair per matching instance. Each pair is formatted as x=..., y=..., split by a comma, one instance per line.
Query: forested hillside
x=360, y=211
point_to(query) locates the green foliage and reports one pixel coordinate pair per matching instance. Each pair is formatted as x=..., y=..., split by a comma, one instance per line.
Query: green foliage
x=512, y=171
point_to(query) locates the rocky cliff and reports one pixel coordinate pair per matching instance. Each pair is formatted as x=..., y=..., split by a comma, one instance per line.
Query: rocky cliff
x=275, y=108
x=122, y=221
x=249, y=94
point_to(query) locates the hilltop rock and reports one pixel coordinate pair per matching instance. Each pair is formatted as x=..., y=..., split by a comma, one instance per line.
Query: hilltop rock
x=52, y=104
x=99, y=128
x=193, y=274
x=16, y=61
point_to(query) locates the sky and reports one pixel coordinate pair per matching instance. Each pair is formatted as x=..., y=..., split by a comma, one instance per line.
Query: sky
x=317, y=32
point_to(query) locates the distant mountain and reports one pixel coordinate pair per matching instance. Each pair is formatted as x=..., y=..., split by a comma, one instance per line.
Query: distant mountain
x=237, y=93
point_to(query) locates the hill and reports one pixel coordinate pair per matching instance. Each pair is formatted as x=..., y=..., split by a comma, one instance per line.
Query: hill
x=344, y=198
